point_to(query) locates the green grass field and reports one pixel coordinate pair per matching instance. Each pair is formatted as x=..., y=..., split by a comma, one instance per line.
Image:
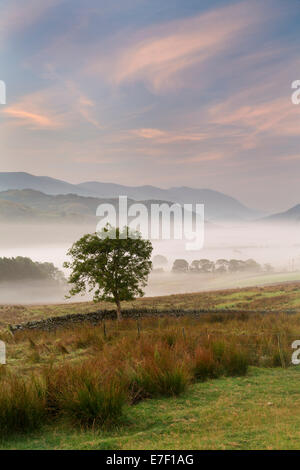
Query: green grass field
x=259, y=411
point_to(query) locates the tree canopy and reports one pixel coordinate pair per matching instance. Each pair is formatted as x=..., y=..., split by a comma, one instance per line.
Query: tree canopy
x=114, y=264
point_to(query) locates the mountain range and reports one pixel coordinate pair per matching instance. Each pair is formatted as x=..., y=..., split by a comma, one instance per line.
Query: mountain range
x=291, y=215
x=32, y=205
x=26, y=197
x=29, y=205
x=79, y=198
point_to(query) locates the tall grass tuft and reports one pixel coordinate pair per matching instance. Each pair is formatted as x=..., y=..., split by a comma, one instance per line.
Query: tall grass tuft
x=233, y=361
x=204, y=365
x=22, y=406
x=84, y=396
x=160, y=374
x=94, y=404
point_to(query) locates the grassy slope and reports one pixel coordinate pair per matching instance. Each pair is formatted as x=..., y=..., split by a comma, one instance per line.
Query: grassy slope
x=183, y=283
x=260, y=411
x=279, y=296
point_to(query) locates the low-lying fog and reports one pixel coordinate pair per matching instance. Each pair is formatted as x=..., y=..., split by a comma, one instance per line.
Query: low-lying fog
x=277, y=245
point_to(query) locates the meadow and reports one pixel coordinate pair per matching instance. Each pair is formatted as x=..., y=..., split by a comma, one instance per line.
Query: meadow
x=158, y=382
x=277, y=297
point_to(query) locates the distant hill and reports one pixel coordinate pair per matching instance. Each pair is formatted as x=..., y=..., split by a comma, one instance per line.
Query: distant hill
x=218, y=206
x=13, y=211
x=31, y=205
x=292, y=216
x=20, y=180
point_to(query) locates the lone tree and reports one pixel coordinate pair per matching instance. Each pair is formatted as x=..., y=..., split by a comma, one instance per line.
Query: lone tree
x=114, y=264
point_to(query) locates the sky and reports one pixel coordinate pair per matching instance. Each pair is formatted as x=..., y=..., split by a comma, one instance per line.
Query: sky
x=166, y=93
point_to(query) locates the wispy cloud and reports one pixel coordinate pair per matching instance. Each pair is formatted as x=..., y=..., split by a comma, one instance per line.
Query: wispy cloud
x=167, y=137
x=63, y=106
x=86, y=107
x=117, y=94
x=158, y=55
x=255, y=120
x=29, y=118
x=35, y=110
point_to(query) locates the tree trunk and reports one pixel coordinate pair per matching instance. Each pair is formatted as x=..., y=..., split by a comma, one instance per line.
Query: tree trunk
x=119, y=313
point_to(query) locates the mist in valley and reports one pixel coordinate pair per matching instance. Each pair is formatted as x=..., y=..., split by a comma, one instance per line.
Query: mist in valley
x=277, y=245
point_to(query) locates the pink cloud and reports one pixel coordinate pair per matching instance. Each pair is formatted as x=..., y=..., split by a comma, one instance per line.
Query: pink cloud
x=26, y=117
x=158, y=55
x=166, y=137
x=62, y=106
x=35, y=110
x=278, y=117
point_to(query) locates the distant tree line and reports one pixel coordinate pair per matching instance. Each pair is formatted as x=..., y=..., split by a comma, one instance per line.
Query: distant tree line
x=207, y=266
x=22, y=268
x=220, y=266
